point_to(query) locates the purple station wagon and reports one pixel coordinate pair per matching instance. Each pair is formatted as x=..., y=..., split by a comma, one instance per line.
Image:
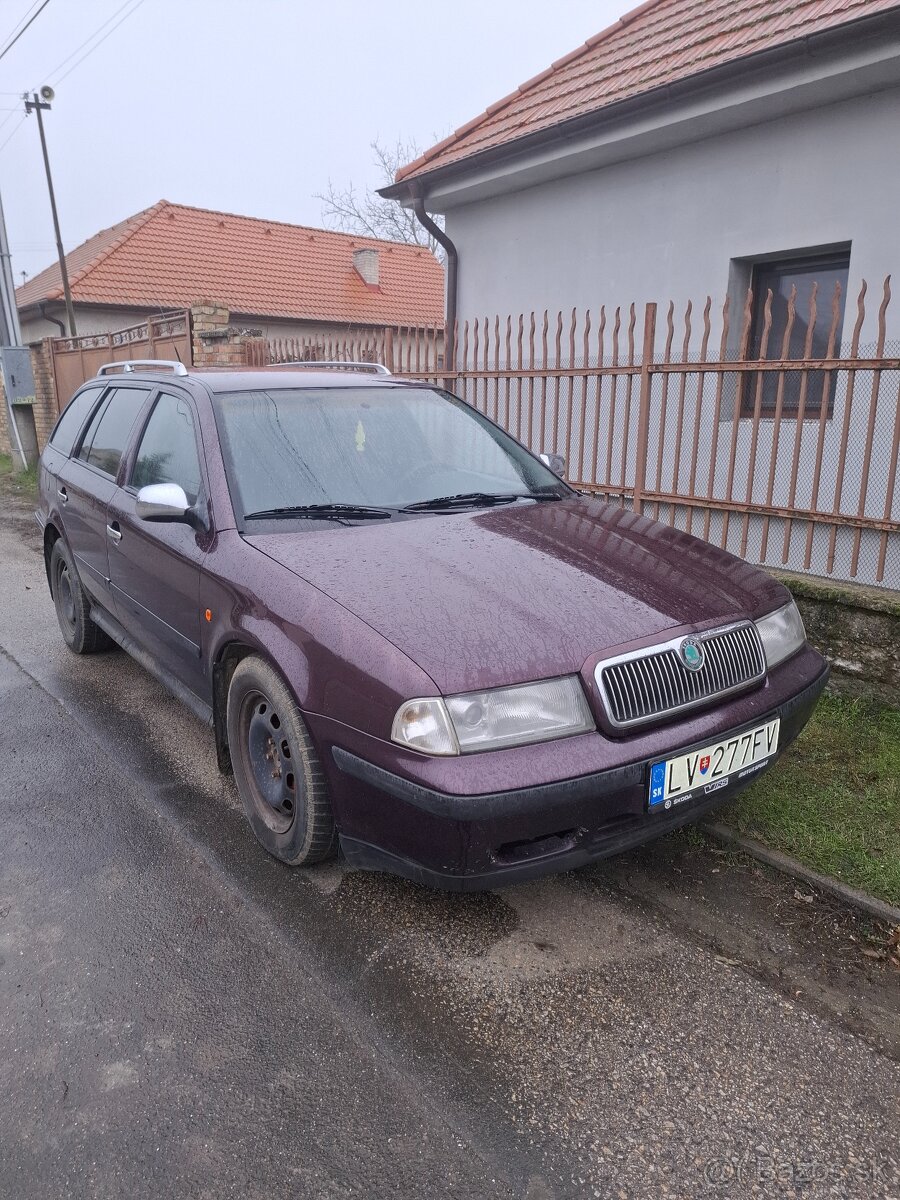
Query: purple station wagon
x=411, y=638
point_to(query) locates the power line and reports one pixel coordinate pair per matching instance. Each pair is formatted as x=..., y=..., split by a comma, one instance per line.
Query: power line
x=6, y=120
x=97, y=45
x=15, y=130
x=6, y=49
x=31, y=7
x=69, y=57
x=59, y=66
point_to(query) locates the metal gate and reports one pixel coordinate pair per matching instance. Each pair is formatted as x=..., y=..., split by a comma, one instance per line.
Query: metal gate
x=77, y=359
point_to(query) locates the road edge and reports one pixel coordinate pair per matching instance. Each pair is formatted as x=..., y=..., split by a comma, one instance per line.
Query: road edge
x=862, y=901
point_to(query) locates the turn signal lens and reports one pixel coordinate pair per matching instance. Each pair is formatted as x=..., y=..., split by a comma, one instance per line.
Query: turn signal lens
x=424, y=725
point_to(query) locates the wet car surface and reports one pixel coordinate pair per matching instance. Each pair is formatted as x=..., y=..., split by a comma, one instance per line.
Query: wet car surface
x=465, y=688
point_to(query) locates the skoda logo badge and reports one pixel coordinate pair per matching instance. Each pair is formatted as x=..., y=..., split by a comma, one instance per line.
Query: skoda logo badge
x=692, y=654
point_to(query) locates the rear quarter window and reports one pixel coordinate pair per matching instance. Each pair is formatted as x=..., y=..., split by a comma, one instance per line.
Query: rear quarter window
x=73, y=417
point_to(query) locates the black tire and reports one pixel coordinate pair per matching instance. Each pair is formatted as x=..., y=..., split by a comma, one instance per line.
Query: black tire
x=276, y=767
x=80, y=633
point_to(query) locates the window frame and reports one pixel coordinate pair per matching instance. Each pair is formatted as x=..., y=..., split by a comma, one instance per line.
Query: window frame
x=75, y=456
x=100, y=390
x=176, y=393
x=837, y=258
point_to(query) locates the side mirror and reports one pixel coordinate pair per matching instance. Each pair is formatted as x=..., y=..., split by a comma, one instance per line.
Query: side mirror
x=556, y=463
x=163, y=502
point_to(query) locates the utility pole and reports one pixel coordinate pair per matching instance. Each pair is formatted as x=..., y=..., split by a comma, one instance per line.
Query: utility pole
x=10, y=333
x=37, y=104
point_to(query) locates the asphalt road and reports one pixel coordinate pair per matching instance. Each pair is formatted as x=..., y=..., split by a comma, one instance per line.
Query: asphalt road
x=182, y=1016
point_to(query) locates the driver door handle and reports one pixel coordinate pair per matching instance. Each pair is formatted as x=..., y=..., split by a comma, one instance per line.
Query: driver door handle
x=63, y=495
x=114, y=532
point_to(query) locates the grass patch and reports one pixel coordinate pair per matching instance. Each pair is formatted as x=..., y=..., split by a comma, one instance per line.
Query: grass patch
x=833, y=800
x=17, y=483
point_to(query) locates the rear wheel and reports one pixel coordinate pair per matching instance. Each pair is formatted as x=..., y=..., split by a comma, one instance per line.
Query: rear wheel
x=80, y=633
x=276, y=768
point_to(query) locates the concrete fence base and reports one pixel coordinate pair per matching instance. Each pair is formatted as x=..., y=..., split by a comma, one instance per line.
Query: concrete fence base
x=857, y=629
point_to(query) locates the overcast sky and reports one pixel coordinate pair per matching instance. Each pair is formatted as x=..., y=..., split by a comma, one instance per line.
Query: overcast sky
x=248, y=106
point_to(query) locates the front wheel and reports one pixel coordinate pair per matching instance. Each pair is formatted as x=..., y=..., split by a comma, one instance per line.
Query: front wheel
x=276, y=767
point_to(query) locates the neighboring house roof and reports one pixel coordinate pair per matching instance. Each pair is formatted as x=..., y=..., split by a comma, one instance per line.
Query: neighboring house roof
x=170, y=256
x=659, y=43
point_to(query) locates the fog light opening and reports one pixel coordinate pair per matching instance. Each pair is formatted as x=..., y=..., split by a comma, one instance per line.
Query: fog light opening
x=539, y=847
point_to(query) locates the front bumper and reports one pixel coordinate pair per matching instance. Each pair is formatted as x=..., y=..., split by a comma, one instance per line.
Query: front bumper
x=471, y=842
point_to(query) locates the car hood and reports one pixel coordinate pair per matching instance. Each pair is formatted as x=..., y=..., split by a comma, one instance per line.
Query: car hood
x=481, y=599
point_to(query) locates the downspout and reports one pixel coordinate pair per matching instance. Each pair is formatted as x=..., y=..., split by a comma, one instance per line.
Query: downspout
x=452, y=286
x=53, y=320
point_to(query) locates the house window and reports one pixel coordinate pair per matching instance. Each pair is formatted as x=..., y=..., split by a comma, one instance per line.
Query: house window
x=781, y=276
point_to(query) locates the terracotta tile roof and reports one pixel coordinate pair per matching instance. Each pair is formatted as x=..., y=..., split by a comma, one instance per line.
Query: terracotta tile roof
x=658, y=43
x=170, y=256
x=47, y=284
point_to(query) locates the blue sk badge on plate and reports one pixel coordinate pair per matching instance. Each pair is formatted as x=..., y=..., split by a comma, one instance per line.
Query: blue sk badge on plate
x=657, y=783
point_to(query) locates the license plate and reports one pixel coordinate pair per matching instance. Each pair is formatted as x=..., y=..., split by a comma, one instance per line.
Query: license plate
x=703, y=772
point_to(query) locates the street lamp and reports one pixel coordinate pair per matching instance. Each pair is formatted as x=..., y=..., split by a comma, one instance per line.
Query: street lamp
x=39, y=102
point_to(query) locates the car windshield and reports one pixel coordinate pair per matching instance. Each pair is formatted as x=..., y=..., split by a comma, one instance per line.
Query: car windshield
x=384, y=447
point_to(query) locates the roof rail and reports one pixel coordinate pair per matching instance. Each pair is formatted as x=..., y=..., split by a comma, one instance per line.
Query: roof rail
x=127, y=365
x=376, y=368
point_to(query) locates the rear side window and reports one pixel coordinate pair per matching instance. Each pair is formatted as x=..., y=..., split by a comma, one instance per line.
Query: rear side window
x=168, y=449
x=73, y=416
x=107, y=435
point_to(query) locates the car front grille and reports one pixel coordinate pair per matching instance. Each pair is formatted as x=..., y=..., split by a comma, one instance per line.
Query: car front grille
x=654, y=683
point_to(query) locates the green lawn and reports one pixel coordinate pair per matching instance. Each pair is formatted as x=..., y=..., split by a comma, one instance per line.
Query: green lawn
x=22, y=483
x=833, y=800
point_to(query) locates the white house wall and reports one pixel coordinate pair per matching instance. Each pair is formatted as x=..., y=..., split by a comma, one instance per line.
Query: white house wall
x=87, y=321
x=670, y=226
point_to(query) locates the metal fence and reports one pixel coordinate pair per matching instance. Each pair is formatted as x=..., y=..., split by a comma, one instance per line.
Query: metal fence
x=77, y=359
x=404, y=349
x=787, y=461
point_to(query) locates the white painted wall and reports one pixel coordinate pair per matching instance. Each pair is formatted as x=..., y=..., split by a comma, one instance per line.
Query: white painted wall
x=87, y=320
x=668, y=226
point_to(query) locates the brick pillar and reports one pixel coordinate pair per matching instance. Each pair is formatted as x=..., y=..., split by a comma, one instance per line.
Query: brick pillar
x=5, y=438
x=209, y=333
x=45, y=409
x=217, y=343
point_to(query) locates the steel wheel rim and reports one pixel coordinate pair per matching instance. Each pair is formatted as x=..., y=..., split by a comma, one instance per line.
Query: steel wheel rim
x=270, y=763
x=65, y=595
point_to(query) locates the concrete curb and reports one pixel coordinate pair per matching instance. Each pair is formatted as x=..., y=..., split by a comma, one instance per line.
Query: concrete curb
x=870, y=905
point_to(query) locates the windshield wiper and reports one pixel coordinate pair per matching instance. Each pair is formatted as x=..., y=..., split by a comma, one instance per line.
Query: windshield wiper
x=476, y=500
x=323, y=512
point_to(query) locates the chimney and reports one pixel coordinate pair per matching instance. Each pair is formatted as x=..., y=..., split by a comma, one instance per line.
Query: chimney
x=366, y=264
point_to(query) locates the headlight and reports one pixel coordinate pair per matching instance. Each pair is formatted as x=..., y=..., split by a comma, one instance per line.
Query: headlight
x=782, y=633
x=514, y=716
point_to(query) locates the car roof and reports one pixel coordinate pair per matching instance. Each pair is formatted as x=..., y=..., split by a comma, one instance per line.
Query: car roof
x=250, y=379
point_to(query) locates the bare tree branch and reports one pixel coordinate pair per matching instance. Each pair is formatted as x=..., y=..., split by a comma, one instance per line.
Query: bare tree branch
x=372, y=216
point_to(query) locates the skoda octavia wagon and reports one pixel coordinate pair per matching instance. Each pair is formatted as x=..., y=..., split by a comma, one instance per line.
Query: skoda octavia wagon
x=412, y=640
